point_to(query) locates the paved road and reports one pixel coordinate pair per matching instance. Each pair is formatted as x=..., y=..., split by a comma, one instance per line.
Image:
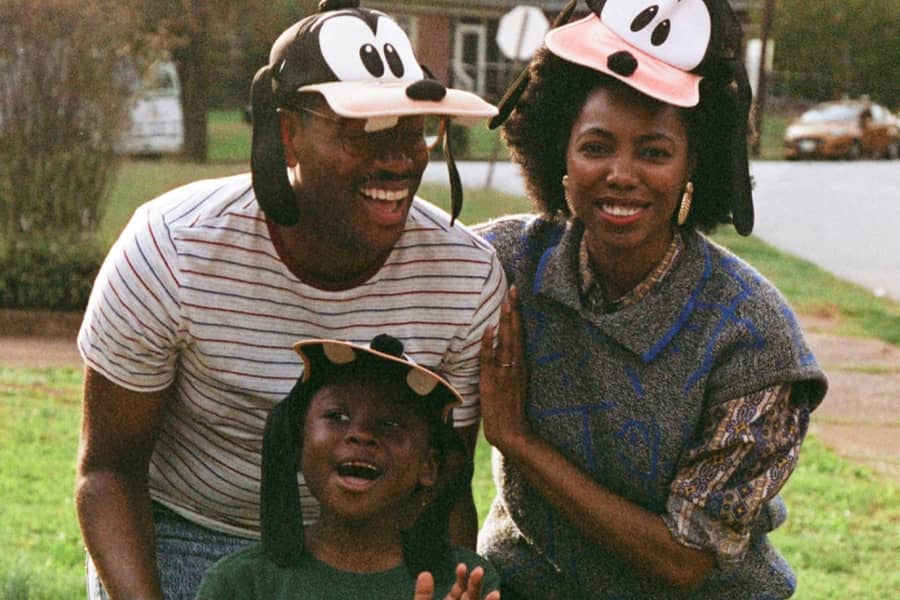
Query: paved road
x=842, y=216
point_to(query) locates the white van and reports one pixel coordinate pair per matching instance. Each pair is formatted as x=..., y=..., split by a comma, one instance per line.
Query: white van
x=157, y=122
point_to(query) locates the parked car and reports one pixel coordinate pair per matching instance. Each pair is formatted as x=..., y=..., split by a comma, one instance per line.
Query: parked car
x=848, y=129
x=157, y=122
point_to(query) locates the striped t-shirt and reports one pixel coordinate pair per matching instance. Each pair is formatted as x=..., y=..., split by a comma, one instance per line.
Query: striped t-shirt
x=193, y=295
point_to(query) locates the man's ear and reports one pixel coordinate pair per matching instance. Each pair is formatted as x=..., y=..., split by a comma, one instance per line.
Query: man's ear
x=428, y=476
x=288, y=123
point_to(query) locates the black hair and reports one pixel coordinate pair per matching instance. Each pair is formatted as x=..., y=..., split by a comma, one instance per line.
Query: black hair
x=538, y=129
x=426, y=544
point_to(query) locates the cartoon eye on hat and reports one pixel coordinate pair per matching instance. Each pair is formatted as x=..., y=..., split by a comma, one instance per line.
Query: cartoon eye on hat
x=653, y=45
x=363, y=64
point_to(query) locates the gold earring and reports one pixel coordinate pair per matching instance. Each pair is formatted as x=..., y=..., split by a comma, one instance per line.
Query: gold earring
x=685, y=208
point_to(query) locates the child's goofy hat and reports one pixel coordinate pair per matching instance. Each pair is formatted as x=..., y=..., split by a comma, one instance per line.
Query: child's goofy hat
x=362, y=63
x=426, y=543
x=664, y=49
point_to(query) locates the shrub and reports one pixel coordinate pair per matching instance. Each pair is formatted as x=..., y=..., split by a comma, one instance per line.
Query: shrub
x=50, y=274
x=63, y=100
x=64, y=94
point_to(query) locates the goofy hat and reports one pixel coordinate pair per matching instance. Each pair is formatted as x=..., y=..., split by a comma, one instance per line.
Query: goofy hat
x=426, y=544
x=363, y=64
x=664, y=49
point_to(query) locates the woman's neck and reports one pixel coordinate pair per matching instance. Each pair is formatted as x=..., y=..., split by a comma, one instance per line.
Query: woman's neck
x=368, y=547
x=620, y=270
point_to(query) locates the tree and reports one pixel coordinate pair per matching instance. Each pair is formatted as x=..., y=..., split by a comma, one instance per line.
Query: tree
x=63, y=101
x=210, y=40
x=829, y=48
x=64, y=90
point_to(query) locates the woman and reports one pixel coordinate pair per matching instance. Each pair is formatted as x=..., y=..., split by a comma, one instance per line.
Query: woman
x=663, y=390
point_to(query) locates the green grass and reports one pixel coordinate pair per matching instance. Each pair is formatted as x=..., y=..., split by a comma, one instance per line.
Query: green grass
x=842, y=535
x=772, y=139
x=39, y=423
x=229, y=136
x=854, y=310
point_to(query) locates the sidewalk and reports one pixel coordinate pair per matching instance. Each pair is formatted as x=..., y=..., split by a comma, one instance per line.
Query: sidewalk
x=859, y=419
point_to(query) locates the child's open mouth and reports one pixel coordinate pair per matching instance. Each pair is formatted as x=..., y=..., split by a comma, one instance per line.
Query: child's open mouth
x=358, y=475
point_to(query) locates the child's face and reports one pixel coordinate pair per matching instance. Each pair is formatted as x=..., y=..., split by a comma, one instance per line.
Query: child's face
x=365, y=449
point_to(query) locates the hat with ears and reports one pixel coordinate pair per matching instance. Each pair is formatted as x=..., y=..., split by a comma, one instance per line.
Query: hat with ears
x=426, y=545
x=664, y=49
x=363, y=64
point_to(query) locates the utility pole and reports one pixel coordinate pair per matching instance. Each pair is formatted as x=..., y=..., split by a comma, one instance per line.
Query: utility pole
x=759, y=102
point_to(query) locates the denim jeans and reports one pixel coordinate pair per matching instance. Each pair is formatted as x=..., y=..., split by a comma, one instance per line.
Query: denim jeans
x=184, y=551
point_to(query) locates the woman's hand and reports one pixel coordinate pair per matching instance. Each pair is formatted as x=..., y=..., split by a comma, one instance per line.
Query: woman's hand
x=467, y=587
x=504, y=378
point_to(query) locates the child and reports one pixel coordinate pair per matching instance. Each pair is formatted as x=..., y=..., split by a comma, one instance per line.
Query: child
x=370, y=430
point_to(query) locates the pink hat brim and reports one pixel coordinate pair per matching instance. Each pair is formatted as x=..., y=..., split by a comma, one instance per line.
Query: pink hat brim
x=588, y=42
x=366, y=99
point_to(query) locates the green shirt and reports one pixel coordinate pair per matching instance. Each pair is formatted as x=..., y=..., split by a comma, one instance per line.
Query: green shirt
x=248, y=574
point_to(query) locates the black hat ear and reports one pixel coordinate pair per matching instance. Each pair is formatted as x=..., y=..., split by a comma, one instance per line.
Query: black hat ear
x=270, y=181
x=281, y=519
x=426, y=545
x=742, y=192
x=328, y=5
x=456, y=190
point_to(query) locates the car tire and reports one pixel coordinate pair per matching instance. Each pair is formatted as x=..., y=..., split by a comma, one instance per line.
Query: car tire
x=855, y=151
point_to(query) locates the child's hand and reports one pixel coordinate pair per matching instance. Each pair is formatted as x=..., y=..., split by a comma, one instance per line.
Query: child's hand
x=465, y=588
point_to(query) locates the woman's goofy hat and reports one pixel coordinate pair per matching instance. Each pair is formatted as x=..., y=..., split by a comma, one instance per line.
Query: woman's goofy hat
x=362, y=63
x=426, y=543
x=664, y=49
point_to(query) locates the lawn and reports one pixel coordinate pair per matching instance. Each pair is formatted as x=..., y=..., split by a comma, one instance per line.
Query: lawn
x=843, y=535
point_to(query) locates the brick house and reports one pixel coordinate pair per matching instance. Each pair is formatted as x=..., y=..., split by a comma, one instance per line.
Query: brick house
x=456, y=39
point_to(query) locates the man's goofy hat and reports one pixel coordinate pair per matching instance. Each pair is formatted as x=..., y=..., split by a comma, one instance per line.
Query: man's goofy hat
x=664, y=49
x=362, y=63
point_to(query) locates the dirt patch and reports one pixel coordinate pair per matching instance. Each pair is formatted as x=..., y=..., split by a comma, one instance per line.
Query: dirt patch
x=859, y=419
x=39, y=338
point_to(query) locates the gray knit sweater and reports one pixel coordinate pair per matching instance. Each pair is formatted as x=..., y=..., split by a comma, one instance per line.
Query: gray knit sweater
x=623, y=394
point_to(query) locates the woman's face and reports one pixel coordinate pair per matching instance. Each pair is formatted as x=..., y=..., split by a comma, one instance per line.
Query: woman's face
x=627, y=163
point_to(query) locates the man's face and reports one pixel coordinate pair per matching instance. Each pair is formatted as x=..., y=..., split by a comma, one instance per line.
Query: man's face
x=354, y=189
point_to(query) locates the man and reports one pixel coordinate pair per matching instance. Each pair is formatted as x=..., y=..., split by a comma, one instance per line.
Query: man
x=187, y=337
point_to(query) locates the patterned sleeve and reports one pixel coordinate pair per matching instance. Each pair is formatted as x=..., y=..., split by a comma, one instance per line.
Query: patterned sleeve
x=462, y=367
x=749, y=447
x=132, y=322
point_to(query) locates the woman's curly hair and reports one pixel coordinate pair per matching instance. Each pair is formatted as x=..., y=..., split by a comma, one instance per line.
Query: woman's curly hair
x=537, y=134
